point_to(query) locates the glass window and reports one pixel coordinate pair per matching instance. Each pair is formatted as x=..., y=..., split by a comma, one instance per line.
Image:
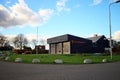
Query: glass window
x=66, y=47
x=59, y=48
x=52, y=47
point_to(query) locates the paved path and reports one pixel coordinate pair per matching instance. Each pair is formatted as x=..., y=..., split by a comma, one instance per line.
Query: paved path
x=21, y=71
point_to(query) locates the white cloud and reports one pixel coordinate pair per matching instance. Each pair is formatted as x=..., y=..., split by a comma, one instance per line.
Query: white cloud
x=8, y=2
x=61, y=6
x=20, y=14
x=29, y=37
x=94, y=34
x=46, y=13
x=10, y=37
x=96, y=2
x=116, y=36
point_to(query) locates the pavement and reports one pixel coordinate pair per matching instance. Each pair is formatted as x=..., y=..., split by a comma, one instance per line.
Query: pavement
x=21, y=71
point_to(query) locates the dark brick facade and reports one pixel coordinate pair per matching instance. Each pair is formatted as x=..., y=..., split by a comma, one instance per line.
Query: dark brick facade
x=69, y=44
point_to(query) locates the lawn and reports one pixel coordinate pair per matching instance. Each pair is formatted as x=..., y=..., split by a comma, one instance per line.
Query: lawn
x=67, y=59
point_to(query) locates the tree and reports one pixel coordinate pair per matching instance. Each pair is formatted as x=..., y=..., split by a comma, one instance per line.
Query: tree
x=43, y=41
x=4, y=43
x=3, y=40
x=116, y=48
x=34, y=42
x=19, y=41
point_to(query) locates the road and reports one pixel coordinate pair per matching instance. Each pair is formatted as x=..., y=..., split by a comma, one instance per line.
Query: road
x=21, y=71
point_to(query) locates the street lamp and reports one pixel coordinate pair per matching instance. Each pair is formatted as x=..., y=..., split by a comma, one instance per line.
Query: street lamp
x=110, y=26
x=37, y=42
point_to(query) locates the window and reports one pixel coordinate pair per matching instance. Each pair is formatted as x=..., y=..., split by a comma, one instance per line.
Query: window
x=66, y=47
x=59, y=48
x=52, y=47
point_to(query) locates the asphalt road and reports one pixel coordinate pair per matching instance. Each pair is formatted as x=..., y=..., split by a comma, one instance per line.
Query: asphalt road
x=21, y=71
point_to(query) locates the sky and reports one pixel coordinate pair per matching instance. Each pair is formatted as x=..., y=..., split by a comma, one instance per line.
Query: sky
x=51, y=18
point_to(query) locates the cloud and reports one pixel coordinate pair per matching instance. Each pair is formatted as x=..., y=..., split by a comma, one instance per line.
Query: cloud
x=46, y=13
x=93, y=34
x=5, y=16
x=30, y=38
x=8, y=2
x=96, y=2
x=116, y=36
x=20, y=14
x=10, y=37
x=61, y=6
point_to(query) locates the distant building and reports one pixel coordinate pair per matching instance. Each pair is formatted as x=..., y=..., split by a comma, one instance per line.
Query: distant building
x=70, y=44
x=27, y=50
x=100, y=43
x=40, y=49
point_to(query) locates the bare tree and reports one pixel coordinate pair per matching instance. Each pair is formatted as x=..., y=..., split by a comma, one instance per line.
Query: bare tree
x=34, y=42
x=20, y=41
x=3, y=40
x=42, y=41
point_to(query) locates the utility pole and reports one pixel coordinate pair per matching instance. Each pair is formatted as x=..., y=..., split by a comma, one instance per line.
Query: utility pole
x=110, y=27
x=37, y=42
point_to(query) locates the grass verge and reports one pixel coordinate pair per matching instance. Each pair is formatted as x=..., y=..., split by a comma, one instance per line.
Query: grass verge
x=67, y=59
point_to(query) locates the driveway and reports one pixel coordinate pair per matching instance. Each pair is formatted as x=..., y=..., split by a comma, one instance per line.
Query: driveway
x=21, y=71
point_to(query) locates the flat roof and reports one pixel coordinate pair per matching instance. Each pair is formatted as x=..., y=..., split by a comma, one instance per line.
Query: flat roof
x=66, y=37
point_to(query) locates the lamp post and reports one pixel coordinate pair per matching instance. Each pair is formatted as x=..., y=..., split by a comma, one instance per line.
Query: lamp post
x=37, y=42
x=110, y=26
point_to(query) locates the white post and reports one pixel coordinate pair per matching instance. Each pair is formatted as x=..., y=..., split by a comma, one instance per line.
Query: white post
x=37, y=42
x=110, y=30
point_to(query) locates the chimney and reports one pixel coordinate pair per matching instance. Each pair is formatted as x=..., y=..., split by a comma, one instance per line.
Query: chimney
x=95, y=35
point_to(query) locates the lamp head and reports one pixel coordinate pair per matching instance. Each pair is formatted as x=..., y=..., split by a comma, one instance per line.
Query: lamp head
x=117, y=1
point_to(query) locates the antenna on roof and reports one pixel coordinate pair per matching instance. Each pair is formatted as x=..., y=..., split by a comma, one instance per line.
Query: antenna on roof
x=95, y=35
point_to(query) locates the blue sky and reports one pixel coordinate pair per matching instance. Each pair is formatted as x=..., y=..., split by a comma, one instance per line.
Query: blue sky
x=57, y=17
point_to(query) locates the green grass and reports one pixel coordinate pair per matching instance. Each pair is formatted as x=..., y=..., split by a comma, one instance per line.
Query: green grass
x=67, y=59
